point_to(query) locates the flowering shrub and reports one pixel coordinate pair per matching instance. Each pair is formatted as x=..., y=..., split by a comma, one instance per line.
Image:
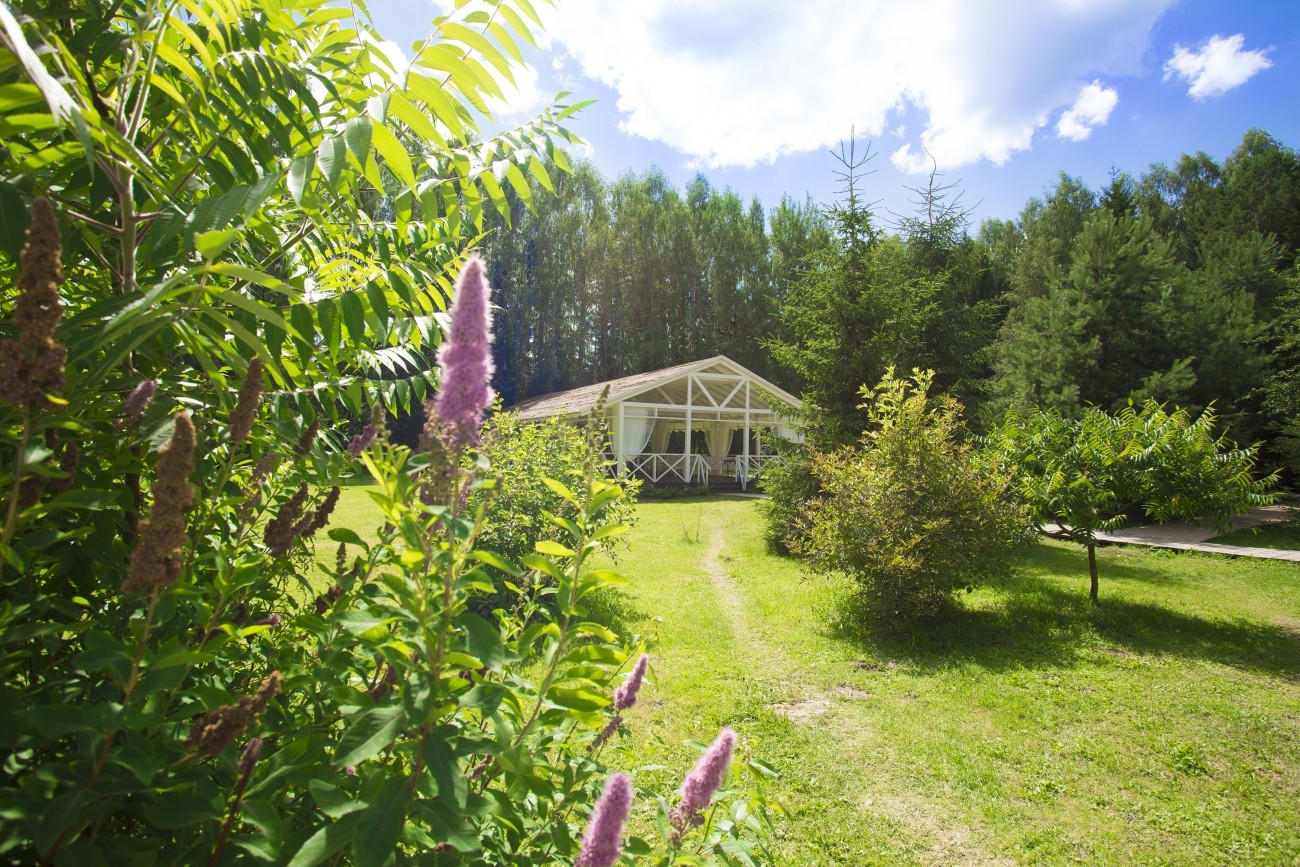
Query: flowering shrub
x=173, y=689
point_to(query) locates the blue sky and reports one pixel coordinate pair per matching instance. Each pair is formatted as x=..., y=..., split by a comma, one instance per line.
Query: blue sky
x=1003, y=93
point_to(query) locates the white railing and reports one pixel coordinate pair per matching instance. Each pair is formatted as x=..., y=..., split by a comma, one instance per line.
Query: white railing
x=748, y=468
x=696, y=468
x=657, y=467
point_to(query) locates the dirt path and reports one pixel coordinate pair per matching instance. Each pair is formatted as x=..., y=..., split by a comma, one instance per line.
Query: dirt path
x=947, y=841
x=801, y=706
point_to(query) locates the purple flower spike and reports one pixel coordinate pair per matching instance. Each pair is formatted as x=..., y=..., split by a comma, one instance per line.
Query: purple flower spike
x=273, y=620
x=701, y=783
x=466, y=359
x=138, y=399
x=625, y=695
x=603, y=842
x=361, y=441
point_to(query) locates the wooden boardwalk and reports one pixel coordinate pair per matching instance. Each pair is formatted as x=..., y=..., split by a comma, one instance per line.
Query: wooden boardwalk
x=1178, y=536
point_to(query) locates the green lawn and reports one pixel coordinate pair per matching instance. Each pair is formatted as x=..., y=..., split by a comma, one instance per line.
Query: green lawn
x=1161, y=727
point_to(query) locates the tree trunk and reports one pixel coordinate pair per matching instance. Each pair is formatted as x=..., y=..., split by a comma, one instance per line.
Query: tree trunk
x=1092, y=571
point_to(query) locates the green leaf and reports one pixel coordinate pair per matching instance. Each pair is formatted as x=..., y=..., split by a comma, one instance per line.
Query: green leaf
x=442, y=763
x=381, y=823
x=395, y=156
x=553, y=549
x=448, y=826
x=367, y=733
x=359, y=622
x=212, y=244
x=182, y=657
x=332, y=159
x=324, y=843
x=343, y=534
x=333, y=801
x=299, y=174
x=519, y=182
x=578, y=698
x=604, y=633
x=354, y=316
x=357, y=135
x=561, y=489
x=483, y=640
x=496, y=560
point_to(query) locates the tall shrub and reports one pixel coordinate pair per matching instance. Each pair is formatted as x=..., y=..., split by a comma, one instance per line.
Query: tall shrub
x=527, y=459
x=909, y=513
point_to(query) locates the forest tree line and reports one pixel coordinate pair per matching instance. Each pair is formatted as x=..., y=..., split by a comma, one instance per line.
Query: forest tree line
x=1179, y=284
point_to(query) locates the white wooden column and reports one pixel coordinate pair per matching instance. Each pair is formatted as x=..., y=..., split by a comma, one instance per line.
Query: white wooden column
x=618, y=444
x=745, y=451
x=690, y=398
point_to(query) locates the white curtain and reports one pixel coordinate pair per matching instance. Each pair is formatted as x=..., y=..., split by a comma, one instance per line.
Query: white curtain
x=718, y=436
x=634, y=435
x=659, y=437
x=786, y=432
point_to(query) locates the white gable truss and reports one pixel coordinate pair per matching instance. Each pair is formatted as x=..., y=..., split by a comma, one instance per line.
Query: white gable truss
x=712, y=398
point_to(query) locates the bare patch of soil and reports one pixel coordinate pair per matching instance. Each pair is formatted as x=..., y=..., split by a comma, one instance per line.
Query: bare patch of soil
x=851, y=692
x=802, y=712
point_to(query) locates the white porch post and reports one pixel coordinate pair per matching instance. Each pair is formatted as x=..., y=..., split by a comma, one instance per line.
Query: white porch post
x=744, y=483
x=618, y=444
x=690, y=398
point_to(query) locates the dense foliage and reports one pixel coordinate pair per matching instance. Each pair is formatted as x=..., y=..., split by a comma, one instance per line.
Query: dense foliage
x=256, y=211
x=788, y=484
x=1167, y=285
x=527, y=459
x=1094, y=473
x=910, y=514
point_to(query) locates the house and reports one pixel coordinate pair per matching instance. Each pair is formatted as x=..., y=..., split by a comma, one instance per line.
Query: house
x=696, y=423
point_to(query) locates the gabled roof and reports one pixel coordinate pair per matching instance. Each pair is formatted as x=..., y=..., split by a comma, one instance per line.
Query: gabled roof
x=579, y=400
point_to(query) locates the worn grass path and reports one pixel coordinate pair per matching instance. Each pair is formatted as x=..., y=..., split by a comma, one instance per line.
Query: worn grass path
x=1163, y=727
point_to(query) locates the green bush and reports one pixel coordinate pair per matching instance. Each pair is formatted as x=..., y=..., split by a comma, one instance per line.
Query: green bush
x=523, y=507
x=910, y=514
x=672, y=492
x=789, y=484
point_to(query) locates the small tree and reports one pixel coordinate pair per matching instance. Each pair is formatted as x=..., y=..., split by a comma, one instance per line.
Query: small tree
x=1090, y=475
x=909, y=514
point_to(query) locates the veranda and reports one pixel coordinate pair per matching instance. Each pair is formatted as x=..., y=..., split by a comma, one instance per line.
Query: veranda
x=698, y=423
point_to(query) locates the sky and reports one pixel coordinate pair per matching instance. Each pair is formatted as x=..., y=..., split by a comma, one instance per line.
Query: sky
x=999, y=95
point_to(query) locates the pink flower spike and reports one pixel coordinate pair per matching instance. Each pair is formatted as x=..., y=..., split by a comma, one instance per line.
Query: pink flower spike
x=138, y=399
x=466, y=358
x=603, y=842
x=701, y=783
x=625, y=695
x=361, y=441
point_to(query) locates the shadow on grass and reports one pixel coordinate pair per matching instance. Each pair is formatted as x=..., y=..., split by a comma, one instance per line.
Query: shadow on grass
x=1072, y=562
x=616, y=610
x=1040, y=624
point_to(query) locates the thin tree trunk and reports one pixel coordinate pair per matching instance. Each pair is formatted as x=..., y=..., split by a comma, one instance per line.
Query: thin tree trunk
x=1092, y=571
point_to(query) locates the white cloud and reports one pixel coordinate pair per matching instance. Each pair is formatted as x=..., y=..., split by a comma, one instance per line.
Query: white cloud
x=1218, y=66
x=1092, y=108
x=522, y=99
x=733, y=85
